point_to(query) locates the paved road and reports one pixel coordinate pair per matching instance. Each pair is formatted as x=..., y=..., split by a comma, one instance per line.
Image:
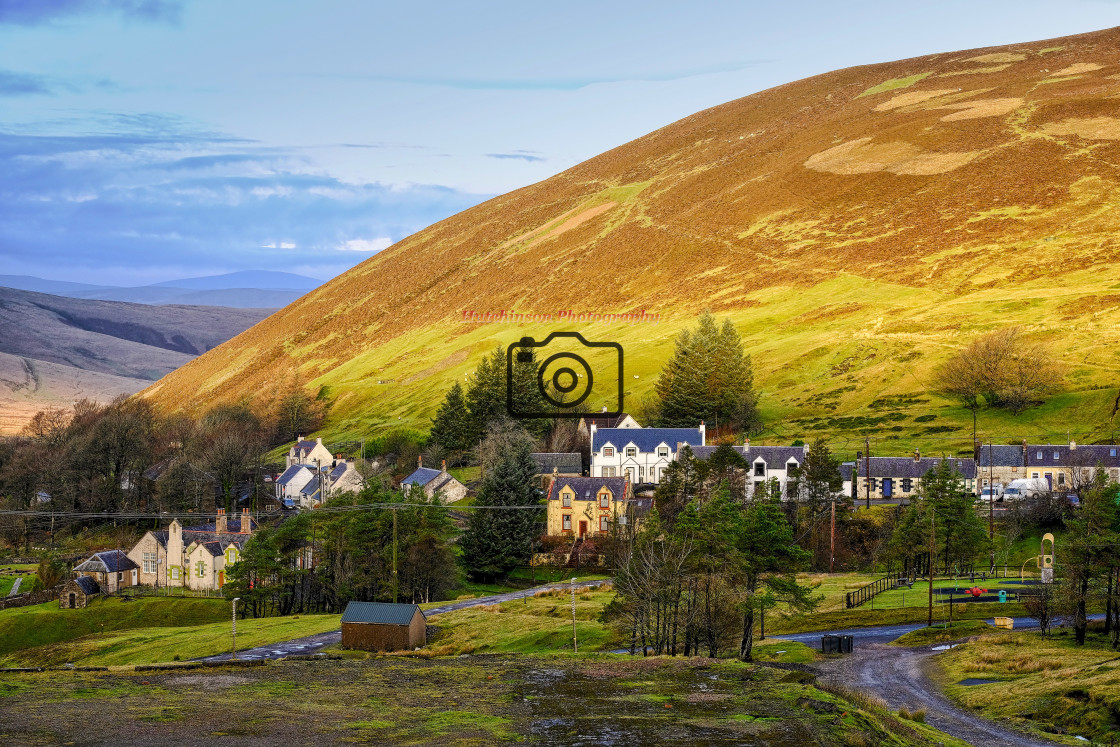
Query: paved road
x=316, y=643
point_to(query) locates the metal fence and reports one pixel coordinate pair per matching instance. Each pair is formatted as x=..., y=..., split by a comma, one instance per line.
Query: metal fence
x=855, y=598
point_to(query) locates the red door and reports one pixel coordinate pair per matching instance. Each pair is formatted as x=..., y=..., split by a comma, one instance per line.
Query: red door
x=582, y=528
x=221, y=579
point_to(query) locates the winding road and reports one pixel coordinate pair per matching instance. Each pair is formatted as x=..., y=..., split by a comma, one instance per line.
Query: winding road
x=316, y=643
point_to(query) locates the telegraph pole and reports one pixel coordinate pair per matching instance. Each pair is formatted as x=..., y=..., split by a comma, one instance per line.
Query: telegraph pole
x=394, y=556
x=867, y=470
x=991, y=510
x=932, y=552
x=575, y=643
x=233, y=650
x=832, y=538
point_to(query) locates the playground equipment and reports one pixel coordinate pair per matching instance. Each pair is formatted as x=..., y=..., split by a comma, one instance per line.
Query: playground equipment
x=1046, y=564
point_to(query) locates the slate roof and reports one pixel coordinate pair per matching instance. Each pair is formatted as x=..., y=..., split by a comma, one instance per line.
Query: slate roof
x=291, y=472
x=771, y=455
x=1001, y=455
x=564, y=463
x=914, y=468
x=381, y=613
x=233, y=526
x=846, y=471
x=306, y=444
x=604, y=421
x=646, y=439
x=422, y=476
x=587, y=488
x=88, y=585
x=109, y=561
x=1082, y=456
x=311, y=488
x=338, y=471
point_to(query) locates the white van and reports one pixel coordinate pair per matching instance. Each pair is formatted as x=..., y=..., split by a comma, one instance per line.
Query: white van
x=993, y=493
x=1026, y=488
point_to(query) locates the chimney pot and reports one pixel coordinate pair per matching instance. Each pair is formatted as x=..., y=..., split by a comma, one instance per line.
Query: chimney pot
x=443, y=465
x=917, y=455
x=420, y=461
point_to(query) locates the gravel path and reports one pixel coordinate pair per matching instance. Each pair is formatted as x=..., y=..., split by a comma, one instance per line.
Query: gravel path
x=316, y=643
x=900, y=676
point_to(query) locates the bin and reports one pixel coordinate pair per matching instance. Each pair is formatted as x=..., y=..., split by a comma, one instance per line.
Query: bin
x=830, y=644
x=1003, y=596
x=846, y=644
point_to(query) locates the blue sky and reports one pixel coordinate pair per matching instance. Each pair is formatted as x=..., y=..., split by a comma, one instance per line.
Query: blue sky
x=144, y=140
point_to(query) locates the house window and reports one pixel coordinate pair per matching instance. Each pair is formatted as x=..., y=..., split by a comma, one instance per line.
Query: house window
x=610, y=471
x=1034, y=475
x=603, y=525
x=149, y=562
x=1115, y=474
x=231, y=556
x=566, y=500
x=760, y=469
x=604, y=500
x=608, y=451
x=1055, y=456
x=1061, y=478
x=662, y=451
x=641, y=473
x=907, y=485
x=567, y=522
x=175, y=574
x=874, y=484
x=1038, y=455
x=631, y=451
x=1112, y=452
x=201, y=568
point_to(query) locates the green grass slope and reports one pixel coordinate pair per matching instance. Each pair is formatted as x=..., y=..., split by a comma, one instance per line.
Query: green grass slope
x=858, y=227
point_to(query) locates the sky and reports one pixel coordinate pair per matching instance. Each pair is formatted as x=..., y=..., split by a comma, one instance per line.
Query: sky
x=148, y=140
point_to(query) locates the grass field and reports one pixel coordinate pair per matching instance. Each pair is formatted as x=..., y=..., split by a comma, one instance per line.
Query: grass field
x=9, y=574
x=1048, y=684
x=24, y=628
x=165, y=644
x=940, y=634
x=557, y=699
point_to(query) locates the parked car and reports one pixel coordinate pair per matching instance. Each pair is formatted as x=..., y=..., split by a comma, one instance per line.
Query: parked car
x=1026, y=488
x=993, y=493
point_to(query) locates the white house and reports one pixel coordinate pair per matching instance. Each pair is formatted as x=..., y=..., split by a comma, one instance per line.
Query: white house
x=640, y=454
x=309, y=452
x=765, y=462
x=290, y=485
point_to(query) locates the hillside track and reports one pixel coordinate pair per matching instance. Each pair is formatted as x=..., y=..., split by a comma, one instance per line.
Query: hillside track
x=901, y=677
x=314, y=644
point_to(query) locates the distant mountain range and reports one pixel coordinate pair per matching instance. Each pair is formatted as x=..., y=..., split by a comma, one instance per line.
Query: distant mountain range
x=249, y=289
x=54, y=349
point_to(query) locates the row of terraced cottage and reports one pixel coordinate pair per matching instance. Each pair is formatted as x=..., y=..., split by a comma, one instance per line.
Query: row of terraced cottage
x=625, y=458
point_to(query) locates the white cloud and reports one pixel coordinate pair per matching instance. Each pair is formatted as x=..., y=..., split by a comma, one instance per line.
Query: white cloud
x=279, y=245
x=366, y=245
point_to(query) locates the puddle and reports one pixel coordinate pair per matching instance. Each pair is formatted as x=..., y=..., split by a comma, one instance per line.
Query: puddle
x=969, y=682
x=944, y=647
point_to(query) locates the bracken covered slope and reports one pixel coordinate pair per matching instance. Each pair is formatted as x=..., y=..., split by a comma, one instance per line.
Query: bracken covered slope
x=858, y=226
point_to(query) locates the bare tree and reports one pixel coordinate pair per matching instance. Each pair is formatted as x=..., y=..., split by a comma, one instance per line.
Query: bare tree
x=1002, y=369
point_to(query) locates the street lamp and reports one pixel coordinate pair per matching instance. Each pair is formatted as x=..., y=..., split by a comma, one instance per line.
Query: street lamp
x=233, y=655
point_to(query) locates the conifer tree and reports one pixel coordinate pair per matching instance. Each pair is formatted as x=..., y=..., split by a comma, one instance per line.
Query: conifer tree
x=496, y=540
x=708, y=378
x=451, y=427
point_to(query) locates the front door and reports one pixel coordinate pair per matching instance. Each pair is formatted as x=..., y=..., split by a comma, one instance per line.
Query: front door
x=73, y=600
x=1049, y=480
x=134, y=579
x=887, y=485
x=221, y=579
x=582, y=529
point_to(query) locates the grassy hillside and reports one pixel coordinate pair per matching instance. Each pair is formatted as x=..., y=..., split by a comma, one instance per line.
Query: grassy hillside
x=857, y=226
x=46, y=624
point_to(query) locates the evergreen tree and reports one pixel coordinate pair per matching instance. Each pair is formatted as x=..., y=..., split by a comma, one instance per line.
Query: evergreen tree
x=1089, y=549
x=708, y=378
x=497, y=540
x=451, y=427
x=486, y=394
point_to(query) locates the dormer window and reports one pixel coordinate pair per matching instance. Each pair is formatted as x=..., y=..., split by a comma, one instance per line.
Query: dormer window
x=663, y=451
x=566, y=500
x=760, y=469
x=604, y=500
x=631, y=451
x=1038, y=455
x=1112, y=452
x=1055, y=456
x=608, y=451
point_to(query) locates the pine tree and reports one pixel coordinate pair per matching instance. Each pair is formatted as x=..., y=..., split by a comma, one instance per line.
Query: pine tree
x=708, y=378
x=486, y=394
x=496, y=540
x=451, y=427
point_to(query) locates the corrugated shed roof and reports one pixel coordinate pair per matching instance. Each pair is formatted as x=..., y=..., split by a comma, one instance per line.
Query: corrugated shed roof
x=380, y=613
x=570, y=463
x=646, y=439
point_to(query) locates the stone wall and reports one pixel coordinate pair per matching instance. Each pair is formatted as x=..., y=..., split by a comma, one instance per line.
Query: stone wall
x=30, y=598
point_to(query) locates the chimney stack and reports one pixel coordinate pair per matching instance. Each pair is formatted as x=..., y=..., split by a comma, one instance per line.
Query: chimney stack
x=1073, y=446
x=917, y=455
x=703, y=433
x=1026, y=454
x=443, y=466
x=246, y=522
x=220, y=521
x=747, y=445
x=419, y=461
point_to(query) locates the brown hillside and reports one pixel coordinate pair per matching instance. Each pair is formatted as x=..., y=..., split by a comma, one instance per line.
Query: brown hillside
x=857, y=226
